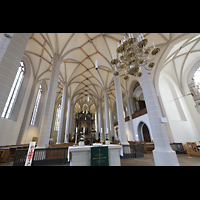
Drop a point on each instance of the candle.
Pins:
(76, 139)
(101, 130)
(107, 130)
(83, 129)
(76, 129)
(142, 36)
(154, 46)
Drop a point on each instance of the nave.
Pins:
(58, 88)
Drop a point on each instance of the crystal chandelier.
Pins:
(132, 54)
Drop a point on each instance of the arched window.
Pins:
(37, 101)
(196, 76)
(14, 91)
(57, 121)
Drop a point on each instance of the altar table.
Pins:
(81, 155)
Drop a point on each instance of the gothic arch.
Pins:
(143, 132)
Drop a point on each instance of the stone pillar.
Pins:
(163, 153)
(71, 121)
(106, 106)
(11, 52)
(44, 135)
(101, 119)
(120, 116)
(62, 116)
(68, 120)
(112, 124)
(132, 136)
(20, 139)
(97, 121)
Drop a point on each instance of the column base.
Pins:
(165, 158)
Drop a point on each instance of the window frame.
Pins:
(36, 106)
(14, 92)
(57, 119)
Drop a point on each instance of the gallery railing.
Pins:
(46, 156)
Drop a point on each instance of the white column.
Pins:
(71, 120)
(44, 135)
(120, 116)
(11, 52)
(101, 119)
(163, 153)
(106, 106)
(97, 121)
(67, 121)
(112, 124)
(62, 115)
(132, 136)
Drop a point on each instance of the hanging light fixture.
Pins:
(132, 54)
(96, 64)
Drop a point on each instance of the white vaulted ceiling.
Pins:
(79, 52)
(180, 61)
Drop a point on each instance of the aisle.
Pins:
(147, 160)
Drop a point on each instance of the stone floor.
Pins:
(147, 160)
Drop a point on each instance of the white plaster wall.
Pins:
(128, 131)
(180, 116)
(9, 130)
(136, 122)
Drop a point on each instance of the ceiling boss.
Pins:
(132, 54)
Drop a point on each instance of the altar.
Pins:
(81, 155)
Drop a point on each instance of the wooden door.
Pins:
(146, 134)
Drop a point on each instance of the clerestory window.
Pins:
(57, 121)
(14, 92)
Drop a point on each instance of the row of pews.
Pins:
(147, 147)
(7, 153)
(192, 149)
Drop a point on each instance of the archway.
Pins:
(143, 132)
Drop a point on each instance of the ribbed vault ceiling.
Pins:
(79, 52)
(181, 59)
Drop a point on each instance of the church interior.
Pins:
(136, 91)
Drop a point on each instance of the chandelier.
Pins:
(132, 54)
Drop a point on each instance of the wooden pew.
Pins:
(59, 153)
(4, 154)
(8, 151)
(192, 149)
(148, 147)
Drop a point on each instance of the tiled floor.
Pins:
(147, 160)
